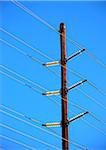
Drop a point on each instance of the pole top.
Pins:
(62, 25)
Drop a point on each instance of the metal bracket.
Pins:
(77, 117)
(76, 84)
(75, 54)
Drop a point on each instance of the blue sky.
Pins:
(86, 24)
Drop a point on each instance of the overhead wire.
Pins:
(98, 61)
(17, 142)
(33, 125)
(43, 87)
(22, 77)
(91, 113)
(89, 82)
(51, 70)
(40, 91)
(92, 125)
(51, 129)
(23, 115)
(19, 82)
(89, 124)
(39, 122)
(52, 28)
(28, 136)
(20, 51)
(79, 90)
(48, 97)
(26, 44)
(91, 98)
(81, 109)
(43, 21)
(29, 56)
(30, 81)
(27, 85)
(20, 114)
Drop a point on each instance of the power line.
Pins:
(84, 109)
(22, 77)
(37, 89)
(29, 118)
(51, 99)
(52, 28)
(44, 55)
(30, 81)
(20, 114)
(9, 76)
(50, 129)
(17, 142)
(20, 51)
(54, 101)
(37, 121)
(91, 98)
(33, 125)
(26, 44)
(89, 82)
(91, 125)
(43, 21)
(91, 113)
(12, 77)
(80, 90)
(28, 136)
(98, 61)
(29, 56)
(27, 85)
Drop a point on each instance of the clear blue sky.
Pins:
(86, 24)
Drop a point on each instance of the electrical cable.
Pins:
(52, 28)
(34, 59)
(17, 142)
(33, 125)
(28, 136)
(53, 99)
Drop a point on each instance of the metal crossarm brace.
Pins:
(74, 55)
(77, 117)
(58, 124)
(77, 84)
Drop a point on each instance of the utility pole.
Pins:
(64, 99)
(65, 121)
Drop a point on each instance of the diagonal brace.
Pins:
(75, 54)
(76, 84)
(77, 117)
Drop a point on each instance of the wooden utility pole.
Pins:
(64, 89)
(64, 98)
